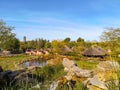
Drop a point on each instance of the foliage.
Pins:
(35, 44)
(71, 54)
(57, 45)
(13, 45)
(111, 40)
(111, 85)
(80, 39)
(111, 34)
(8, 63)
(49, 72)
(114, 84)
(7, 38)
(67, 39)
(81, 86)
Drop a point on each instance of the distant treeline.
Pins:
(110, 39)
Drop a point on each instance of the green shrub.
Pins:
(81, 86)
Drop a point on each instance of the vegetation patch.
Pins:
(8, 63)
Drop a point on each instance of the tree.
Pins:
(13, 45)
(67, 39)
(80, 40)
(7, 38)
(57, 45)
(47, 44)
(112, 37)
(111, 34)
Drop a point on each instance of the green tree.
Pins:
(57, 45)
(47, 44)
(67, 39)
(7, 38)
(13, 45)
(80, 39)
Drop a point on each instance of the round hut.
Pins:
(94, 52)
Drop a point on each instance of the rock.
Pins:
(69, 77)
(32, 68)
(72, 69)
(97, 83)
(68, 63)
(107, 76)
(96, 79)
(4, 78)
(66, 69)
(108, 65)
(1, 70)
(81, 73)
(105, 73)
(16, 73)
(91, 87)
(6, 52)
(61, 80)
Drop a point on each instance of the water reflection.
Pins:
(39, 63)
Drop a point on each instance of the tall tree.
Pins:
(6, 36)
(111, 34)
(112, 37)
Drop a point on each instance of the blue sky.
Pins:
(57, 19)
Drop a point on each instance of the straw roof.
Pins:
(94, 52)
(66, 49)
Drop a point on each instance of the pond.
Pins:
(39, 63)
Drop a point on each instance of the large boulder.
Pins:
(81, 72)
(108, 66)
(4, 79)
(96, 83)
(14, 74)
(68, 63)
(73, 70)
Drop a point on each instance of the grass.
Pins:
(86, 64)
(8, 63)
(46, 73)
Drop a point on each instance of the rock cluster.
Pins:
(17, 77)
(104, 75)
(97, 79)
(73, 70)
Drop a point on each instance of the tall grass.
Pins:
(43, 76)
(114, 84)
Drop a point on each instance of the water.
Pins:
(39, 63)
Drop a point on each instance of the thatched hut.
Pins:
(94, 52)
(65, 49)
